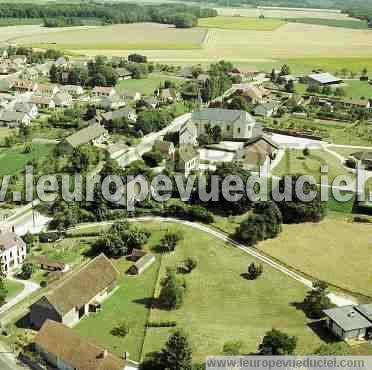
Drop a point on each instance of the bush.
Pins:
(44, 284)
(27, 270)
(232, 348)
(362, 220)
(172, 290)
(254, 271)
(191, 263)
(161, 324)
(201, 214)
(122, 330)
(169, 242)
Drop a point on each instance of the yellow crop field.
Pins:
(119, 37)
(241, 23)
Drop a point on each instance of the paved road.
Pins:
(29, 288)
(335, 298)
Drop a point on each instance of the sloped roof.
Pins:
(84, 285)
(117, 114)
(324, 78)
(86, 135)
(365, 310)
(163, 146)
(187, 153)
(8, 240)
(11, 116)
(348, 318)
(224, 115)
(73, 350)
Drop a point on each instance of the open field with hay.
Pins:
(120, 37)
(241, 23)
(283, 13)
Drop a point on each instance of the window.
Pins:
(228, 128)
(239, 130)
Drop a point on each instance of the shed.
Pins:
(142, 264)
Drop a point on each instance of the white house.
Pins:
(188, 134)
(14, 119)
(13, 251)
(234, 124)
(101, 91)
(27, 108)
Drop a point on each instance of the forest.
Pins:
(182, 16)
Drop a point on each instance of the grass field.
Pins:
(129, 303)
(357, 89)
(294, 162)
(220, 305)
(146, 86)
(283, 13)
(347, 23)
(5, 131)
(14, 160)
(334, 250)
(13, 288)
(241, 23)
(146, 36)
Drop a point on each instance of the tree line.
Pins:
(180, 15)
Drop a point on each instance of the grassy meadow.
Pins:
(241, 23)
(343, 23)
(13, 288)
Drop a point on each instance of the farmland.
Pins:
(120, 37)
(347, 23)
(241, 23)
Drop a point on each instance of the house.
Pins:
(13, 251)
(61, 62)
(166, 148)
(167, 96)
(4, 53)
(188, 134)
(202, 79)
(27, 108)
(73, 90)
(322, 79)
(64, 349)
(142, 264)
(355, 103)
(30, 74)
(266, 109)
(18, 59)
(48, 90)
(23, 86)
(254, 94)
(4, 69)
(62, 99)
(258, 153)
(288, 78)
(78, 295)
(102, 91)
(50, 265)
(116, 150)
(294, 101)
(350, 322)
(14, 119)
(123, 74)
(44, 69)
(132, 96)
(136, 255)
(110, 102)
(234, 124)
(93, 134)
(127, 113)
(363, 159)
(188, 159)
(43, 102)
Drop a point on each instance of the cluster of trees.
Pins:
(169, 241)
(264, 223)
(317, 300)
(3, 290)
(99, 72)
(326, 90)
(62, 22)
(34, 56)
(172, 292)
(121, 239)
(112, 13)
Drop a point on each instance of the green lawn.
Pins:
(295, 162)
(127, 303)
(220, 305)
(241, 23)
(334, 250)
(344, 23)
(146, 86)
(14, 160)
(13, 288)
(358, 89)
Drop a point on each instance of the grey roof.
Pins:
(23, 107)
(225, 115)
(365, 310)
(8, 240)
(265, 106)
(123, 72)
(11, 116)
(86, 135)
(143, 261)
(348, 318)
(324, 78)
(117, 114)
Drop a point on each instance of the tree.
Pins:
(172, 290)
(177, 353)
(339, 91)
(191, 263)
(252, 230)
(285, 70)
(306, 152)
(232, 348)
(170, 239)
(152, 158)
(254, 271)
(185, 21)
(3, 290)
(289, 87)
(297, 211)
(277, 343)
(27, 270)
(327, 90)
(122, 330)
(137, 58)
(316, 301)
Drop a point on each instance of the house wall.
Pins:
(52, 359)
(236, 130)
(71, 318)
(13, 257)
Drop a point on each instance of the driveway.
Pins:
(29, 288)
(292, 142)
